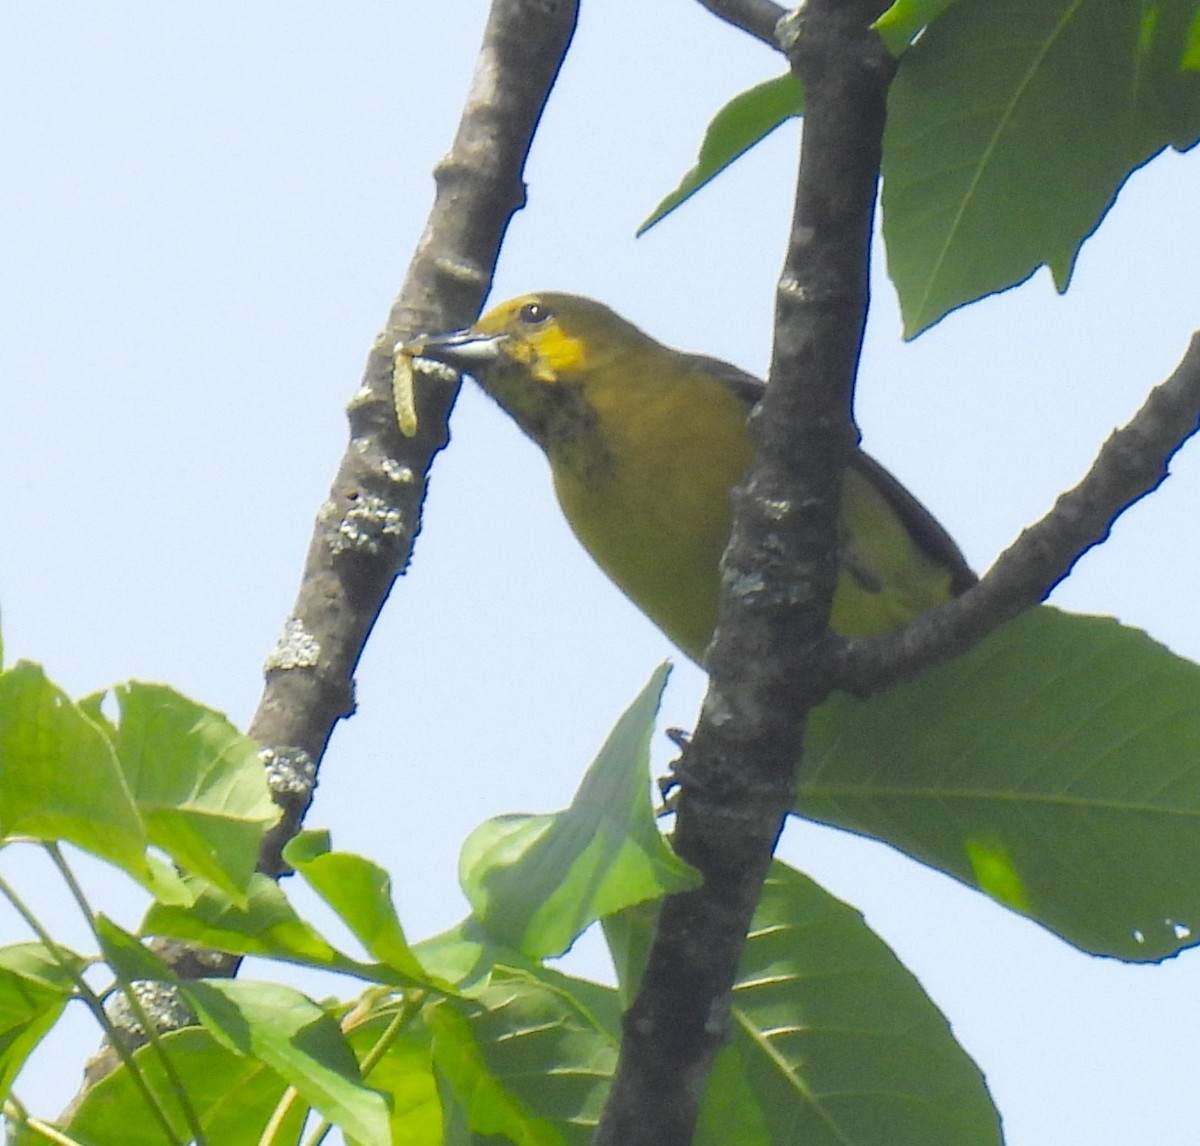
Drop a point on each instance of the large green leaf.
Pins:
(744, 121)
(838, 1042)
(1011, 127)
(274, 1024)
(59, 776)
(477, 1102)
(834, 1043)
(1056, 767)
(300, 1041)
(531, 1055)
(535, 882)
(233, 1096)
(197, 781)
(266, 924)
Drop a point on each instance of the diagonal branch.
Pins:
(1131, 464)
(758, 18)
(365, 530)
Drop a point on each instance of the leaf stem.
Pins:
(149, 1027)
(93, 1003)
(407, 1009)
(16, 1113)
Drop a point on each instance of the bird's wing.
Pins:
(745, 386)
(925, 529)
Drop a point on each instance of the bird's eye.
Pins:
(534, 313)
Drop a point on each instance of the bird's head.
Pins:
(534, 354)
(548, 336)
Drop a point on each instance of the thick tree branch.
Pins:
(1131, 464)
(756, 17)
(769, 662)
(365, 530)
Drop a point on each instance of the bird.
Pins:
(645, 444)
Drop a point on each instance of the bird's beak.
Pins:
(460, 349)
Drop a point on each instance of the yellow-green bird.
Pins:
(645, 443)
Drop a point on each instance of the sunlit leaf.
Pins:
(405, 1074)
(59, 775)
(361, 893)
(535, 882)
(197, 781)
(266, 924)
(34, 987)
(533, 1056)
(233, 1095)
(487, 1107)
(905, 18)
(301, 1042)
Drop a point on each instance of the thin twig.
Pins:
(756, 17)
(403, 1016)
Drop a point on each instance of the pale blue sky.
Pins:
(207, 209)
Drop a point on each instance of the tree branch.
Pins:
(758, 18)
(365, 531)
(769, 663)
(1131, 464)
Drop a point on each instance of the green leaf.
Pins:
(536, 882)
(744, 121)
(628, 934)
(731, 1111)
(128, 956)
(198, 782)
(361, 894)
(833, 1039)
(466, 954)
(405, 1074)
(900, 24)
(59, 776)
(300, 1041)
(233, 1095)
(266, 925)
(34, 988)
(1055, 767)
(1168, 98)
(1011, 128)
(534, 1058)
(486, 1105)
(1191, 52)
(56, 971)
(838, 1041)
(278, 1026)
